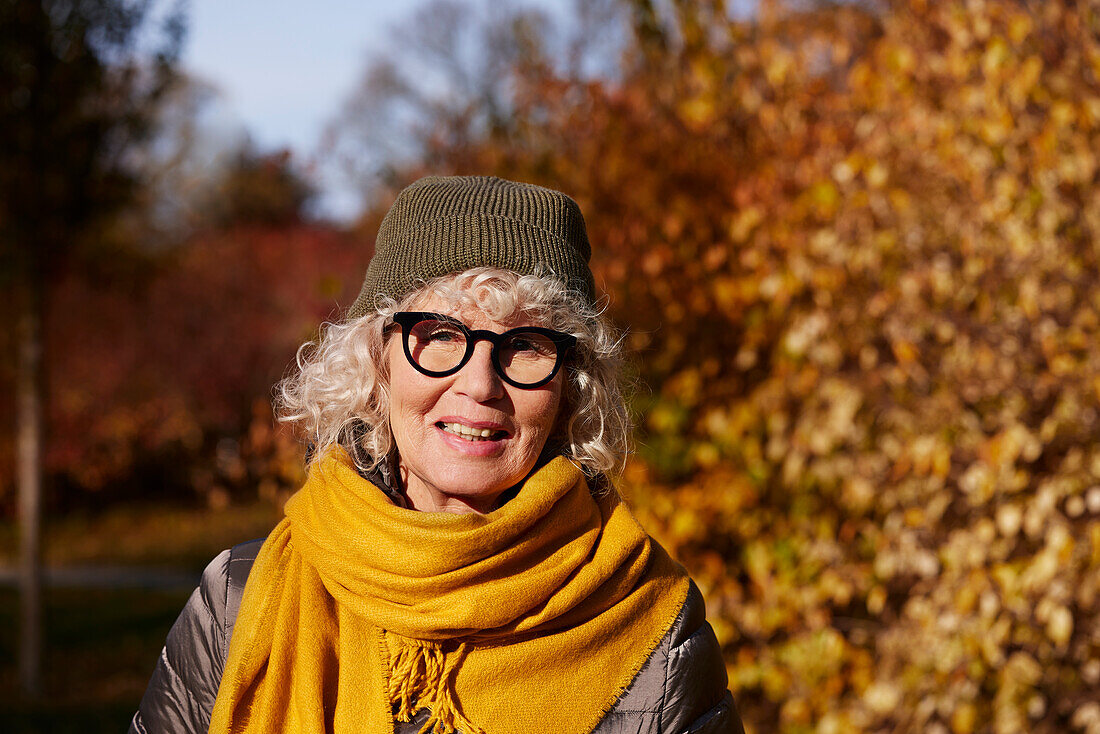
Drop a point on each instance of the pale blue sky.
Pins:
(284, 67)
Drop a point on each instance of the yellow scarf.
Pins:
(534, 617)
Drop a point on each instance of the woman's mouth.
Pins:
(470, 433)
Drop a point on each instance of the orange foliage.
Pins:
(855, 247)
(184, 363)
(856, 250)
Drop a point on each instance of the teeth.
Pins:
(467, 431)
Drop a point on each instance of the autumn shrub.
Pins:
(162, 388)
(856, 248)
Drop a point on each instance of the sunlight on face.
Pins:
(466, 438)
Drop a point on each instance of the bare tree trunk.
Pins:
(29, 478)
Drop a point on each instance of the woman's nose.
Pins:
(478, 378)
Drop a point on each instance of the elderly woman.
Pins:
(457, 560)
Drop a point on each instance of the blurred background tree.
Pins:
(76, 94)
(854, 247)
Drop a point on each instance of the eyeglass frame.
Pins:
(408, 319)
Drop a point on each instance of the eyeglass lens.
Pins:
(526, 357)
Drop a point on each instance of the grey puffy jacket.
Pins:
(680, 689)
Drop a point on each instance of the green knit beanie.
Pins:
(443, 225)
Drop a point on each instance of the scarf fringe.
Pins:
(422, 676)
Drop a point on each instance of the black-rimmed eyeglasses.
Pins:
(438, 345)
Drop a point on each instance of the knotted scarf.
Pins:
(534, 617)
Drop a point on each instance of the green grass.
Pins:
(100, 648)
(146, 535)
(101, 644)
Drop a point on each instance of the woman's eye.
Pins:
(435, 332)
(444, 334)
(527, 345)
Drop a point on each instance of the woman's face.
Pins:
(443, 468)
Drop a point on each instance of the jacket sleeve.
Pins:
(181, 693)
(696, 700)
